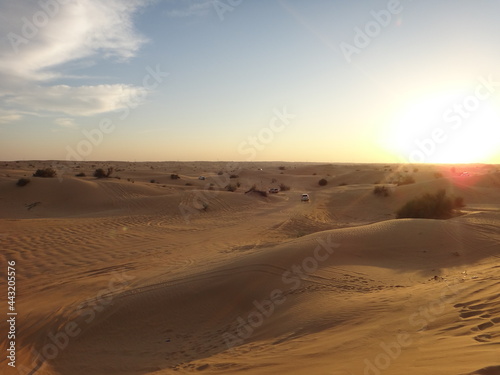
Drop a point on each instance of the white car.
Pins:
(305, 198)
(274, 190)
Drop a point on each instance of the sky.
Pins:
(409, 81)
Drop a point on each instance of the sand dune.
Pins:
(129, 276)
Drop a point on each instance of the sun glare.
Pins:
(447, 127)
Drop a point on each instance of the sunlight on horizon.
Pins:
(445, 127)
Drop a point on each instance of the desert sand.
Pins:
(142, 274)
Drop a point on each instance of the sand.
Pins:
(140, 273)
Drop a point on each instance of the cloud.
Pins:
(8, 116)
(65, 122)
(78, 101)
(190, 8)
(76, 30)
(40, 38)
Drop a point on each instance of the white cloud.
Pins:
(38, 40)
(65, 122)
(78, 101)
(78, 29)
(8, 116)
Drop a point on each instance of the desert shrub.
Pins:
(253, 189)
(230, 187)
(101, 173)
(282, 168)
(284, 187)
(220, 173)
(415, 170)
(430, 206)
(343, 184)
(81, 174)
(234, 176)
(322, 182)
(405, 180)
(189, 184)
(458, 202)
(47, 172)
(23, 182)
(438, 175)
(153, 181)
(174, 176)
(261, 192)
(381, 191)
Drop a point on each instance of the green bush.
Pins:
(47, 172)
(431, 206)
(23, 182)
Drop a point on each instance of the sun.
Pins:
(446, 127)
